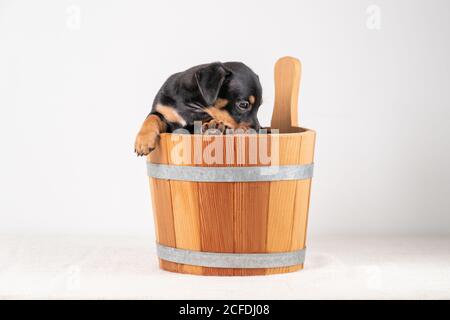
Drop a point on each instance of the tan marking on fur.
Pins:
(251, 99)
(154, 123)
(220, 103)
(170, 114)
(148, 135)
(222, 116)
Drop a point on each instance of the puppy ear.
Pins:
(209, 81)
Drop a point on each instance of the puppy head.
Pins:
(232, 93)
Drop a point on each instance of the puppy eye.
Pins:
(243, 105)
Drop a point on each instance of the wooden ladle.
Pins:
(287, 82)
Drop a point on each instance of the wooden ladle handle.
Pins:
(287, 82)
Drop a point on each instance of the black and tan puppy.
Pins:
(221, 95)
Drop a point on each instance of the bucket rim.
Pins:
(297, 131)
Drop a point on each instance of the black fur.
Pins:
(192, 91)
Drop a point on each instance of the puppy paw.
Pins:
(213, 127)
(244, 129)
(145, 142)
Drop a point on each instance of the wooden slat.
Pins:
(162, 206)
(216, 212)
(281, 202)
(301, 205)
(184, 196)
(250, 207)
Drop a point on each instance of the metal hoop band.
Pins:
(231, 260)
(230, 174)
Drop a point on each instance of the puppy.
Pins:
(220, 95)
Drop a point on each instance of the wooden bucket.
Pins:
(215, 217)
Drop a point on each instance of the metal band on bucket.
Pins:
(231, 260)
(230, 174)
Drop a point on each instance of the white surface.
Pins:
(73, 95)
(126, 267)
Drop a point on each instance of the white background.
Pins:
(74, 93)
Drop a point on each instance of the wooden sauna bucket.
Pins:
(215, 218)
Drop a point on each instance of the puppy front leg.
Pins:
(148, 135)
